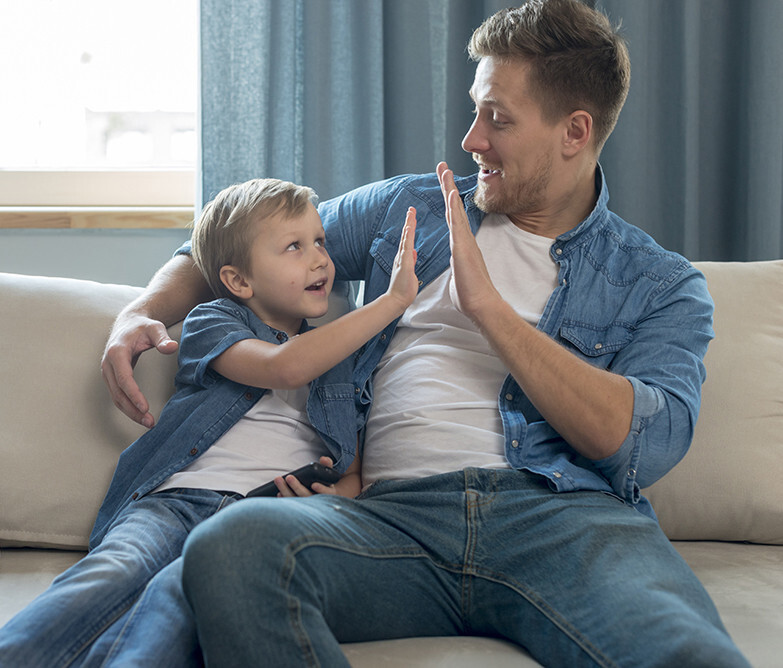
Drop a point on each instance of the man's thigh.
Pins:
(584, 579)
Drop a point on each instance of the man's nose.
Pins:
(475, 140)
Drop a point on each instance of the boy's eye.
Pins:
(319, 243)
(293, 246)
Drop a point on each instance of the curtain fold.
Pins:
(338, 93)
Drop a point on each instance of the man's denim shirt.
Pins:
(207, 404)
(621, 303)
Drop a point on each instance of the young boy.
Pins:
(243, 412)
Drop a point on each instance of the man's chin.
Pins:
(486, 202)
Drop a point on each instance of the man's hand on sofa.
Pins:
(131, 335)
(173, 291)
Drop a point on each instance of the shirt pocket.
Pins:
(598, 344)
(334, 415)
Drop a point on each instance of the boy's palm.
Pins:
(404, 283)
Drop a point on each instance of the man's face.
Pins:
(510, 141)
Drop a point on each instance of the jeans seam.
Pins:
(552, 615)
(108, 620)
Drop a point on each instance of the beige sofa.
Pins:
(722, 506)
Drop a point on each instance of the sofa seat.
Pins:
(722, 506)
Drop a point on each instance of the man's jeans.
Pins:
(579, 578)
(87, 606)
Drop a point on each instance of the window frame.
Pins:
(141, 198)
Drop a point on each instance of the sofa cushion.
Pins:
(61, 435)
(728, 486)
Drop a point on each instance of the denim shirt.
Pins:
(207, 404)
(621, 303)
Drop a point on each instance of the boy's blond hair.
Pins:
(223, 233)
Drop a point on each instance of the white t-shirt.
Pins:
(435, 406)
(271, 439)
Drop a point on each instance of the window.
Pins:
(98, 123)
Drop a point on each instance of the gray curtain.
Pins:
(337, 93)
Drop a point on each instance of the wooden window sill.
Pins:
(95, 217)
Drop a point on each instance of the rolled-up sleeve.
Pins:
(664, 364)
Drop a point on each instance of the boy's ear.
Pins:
(578, 132)
(235, 282)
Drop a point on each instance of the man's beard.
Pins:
(516, 198)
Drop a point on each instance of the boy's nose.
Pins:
(319, 257)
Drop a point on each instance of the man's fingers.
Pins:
(133, 405)
(160, 339)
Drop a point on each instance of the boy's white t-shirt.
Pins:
(271, 439)
(435, 406)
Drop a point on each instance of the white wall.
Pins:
(108, 256)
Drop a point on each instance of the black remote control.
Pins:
(307, 475)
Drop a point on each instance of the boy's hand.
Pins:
(404, 284)
(290, 486)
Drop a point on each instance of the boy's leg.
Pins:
(159, 630)
(59, 625)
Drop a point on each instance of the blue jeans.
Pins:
(77, 619)
(578, 579)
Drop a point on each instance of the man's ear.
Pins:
(235, 282)
(578, 132)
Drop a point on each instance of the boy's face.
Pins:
(291, 274)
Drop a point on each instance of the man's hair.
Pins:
(577, 59)
(223, 234)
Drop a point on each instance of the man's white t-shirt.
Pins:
(435, 406)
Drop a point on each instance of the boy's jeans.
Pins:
(88, 602)
(579, 579)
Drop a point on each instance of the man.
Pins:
(549, 368)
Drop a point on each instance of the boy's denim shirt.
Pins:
(207, 404)
(622, 303)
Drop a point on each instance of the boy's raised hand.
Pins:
(404, 284)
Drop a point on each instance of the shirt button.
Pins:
(194, 451)
(280, 336)
(356, 390)
(558, 251)
(565, 282)
(515, 443)
(383, 337)
(509, 396)
(557, 474)
(135, 496)
(598, 346)
(248, 395)
(421, 283)
(631, 473)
